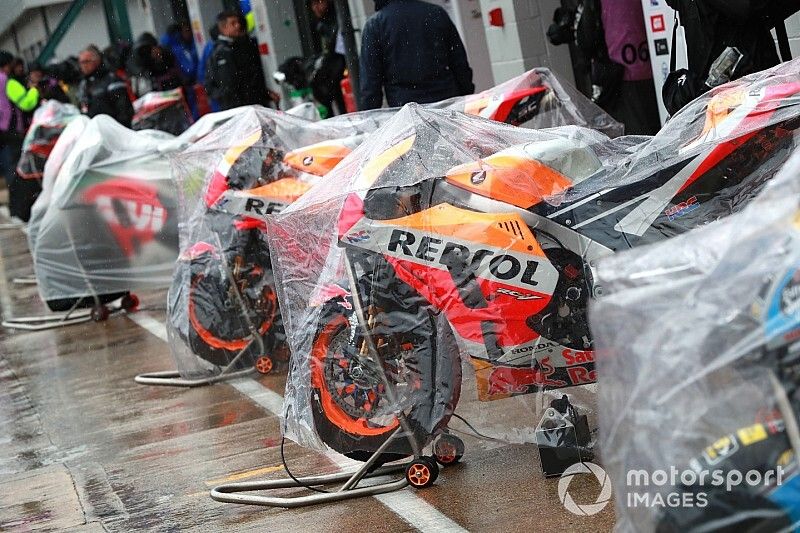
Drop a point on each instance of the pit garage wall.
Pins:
(88, 28)
(521, 44)
(277, 34)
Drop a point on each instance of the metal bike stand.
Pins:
(74, 315)
(173, 378)
(25, 280)
(51, 321)
(238, 492)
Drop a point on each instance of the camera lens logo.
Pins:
(588, 509)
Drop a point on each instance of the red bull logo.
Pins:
(509, 380)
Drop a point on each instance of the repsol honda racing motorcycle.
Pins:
(483, 260)
(223, 302)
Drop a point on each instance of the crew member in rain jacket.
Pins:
(15, 100)
(234, 76)
(411, 51)
(102, 92)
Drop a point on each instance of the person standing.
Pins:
(15, 101)
(152, 67)
(48, 87)
(101, 91)
(234, 76)
(411, 51)
(613, 35)
(713, 28)
(329, 66)
(180, 42)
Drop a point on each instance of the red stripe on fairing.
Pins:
(508, 313)
(511, 100)
(248, 223)
(757, 119)
(216, 188)
(715, 157)
(352, 212)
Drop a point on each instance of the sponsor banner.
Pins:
(659, 20)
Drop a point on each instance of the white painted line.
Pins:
(150, 324)
(266, 398)
(412, 509)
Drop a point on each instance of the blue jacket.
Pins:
(185, 54)
(411, 50)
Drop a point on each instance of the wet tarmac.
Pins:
(85, 449)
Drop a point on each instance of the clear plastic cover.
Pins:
(445, 233)
(162, 110)
(441, 267)
(48, 122)
(111, 223)
(52, 168)
(536, 99)
(739, 133)
(697, 341)
(222, 306)
(107, 222)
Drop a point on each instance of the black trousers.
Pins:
(22, 193)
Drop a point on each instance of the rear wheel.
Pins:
(353, 410)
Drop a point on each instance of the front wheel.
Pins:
(353, 410)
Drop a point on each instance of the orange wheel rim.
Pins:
(419, 475)
(264, 365)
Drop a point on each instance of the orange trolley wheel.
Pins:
(448, 449)
(422, 472)
(264, 364)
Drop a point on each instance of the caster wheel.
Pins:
(422, 472)
(100, 313)
(130, 302)
(264, 364)
(448, 449)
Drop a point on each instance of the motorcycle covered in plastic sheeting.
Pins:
(52, 168)
(445, 233)
(47, 125)
(164, 111)
(222, 308)
(699, 372)
(110, 223)
(536, 99)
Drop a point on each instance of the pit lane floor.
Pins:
(85, 449)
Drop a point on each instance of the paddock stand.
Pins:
(11, 225)
(173, 378)
(419, 472)
(99, 313)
